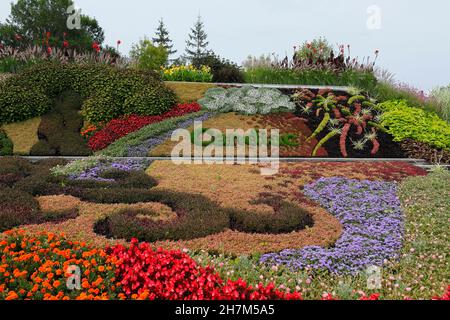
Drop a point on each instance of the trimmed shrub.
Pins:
(287, 218)
(59, 131)
(103, 88)
(21, 103)
(149, 101)
(246, 100)
(17, 208)
(199, 217)
(6, 145)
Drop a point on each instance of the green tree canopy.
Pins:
(196, 45)
(162, 38)
(31, 20)
(147, 56)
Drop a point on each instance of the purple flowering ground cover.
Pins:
(372, 221)
(95, 172)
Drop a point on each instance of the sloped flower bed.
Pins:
(373, 226)
(118, 128)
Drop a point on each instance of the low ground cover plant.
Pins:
(372, 233)
(123, 126)
(246, 100)
(418, 273)
(141, 142)
(405, 122)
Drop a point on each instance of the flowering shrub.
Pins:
(35, 267)
(173, 275)
(187, 73)
(373, 227)
(120, 127)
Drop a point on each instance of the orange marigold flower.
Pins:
(12, 296)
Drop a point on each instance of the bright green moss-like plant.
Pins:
(246, 100)
(405, 122)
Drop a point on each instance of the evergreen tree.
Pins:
(162, 38)
(196, 44)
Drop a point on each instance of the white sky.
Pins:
(414, 39)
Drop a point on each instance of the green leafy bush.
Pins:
(6, 145)
(21, 103)
(149, 101)
(147, 56)
(246, 100)
(223, 70)
(104, 90)
(405, 122)
(317, 49)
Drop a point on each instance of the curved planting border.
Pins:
(373, 227)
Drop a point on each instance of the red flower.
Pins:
(96, 47)
(65, 44)
(48, 35)
(49, 50)
(172, 275)
(18, 37)
(123, 126)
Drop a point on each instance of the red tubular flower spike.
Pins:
(337, 113)
(376, 147)
(343, 139)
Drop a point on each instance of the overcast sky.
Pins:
(413, 38)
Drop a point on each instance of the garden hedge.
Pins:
(106, 91)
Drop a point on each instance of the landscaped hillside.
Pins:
(139, 219)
